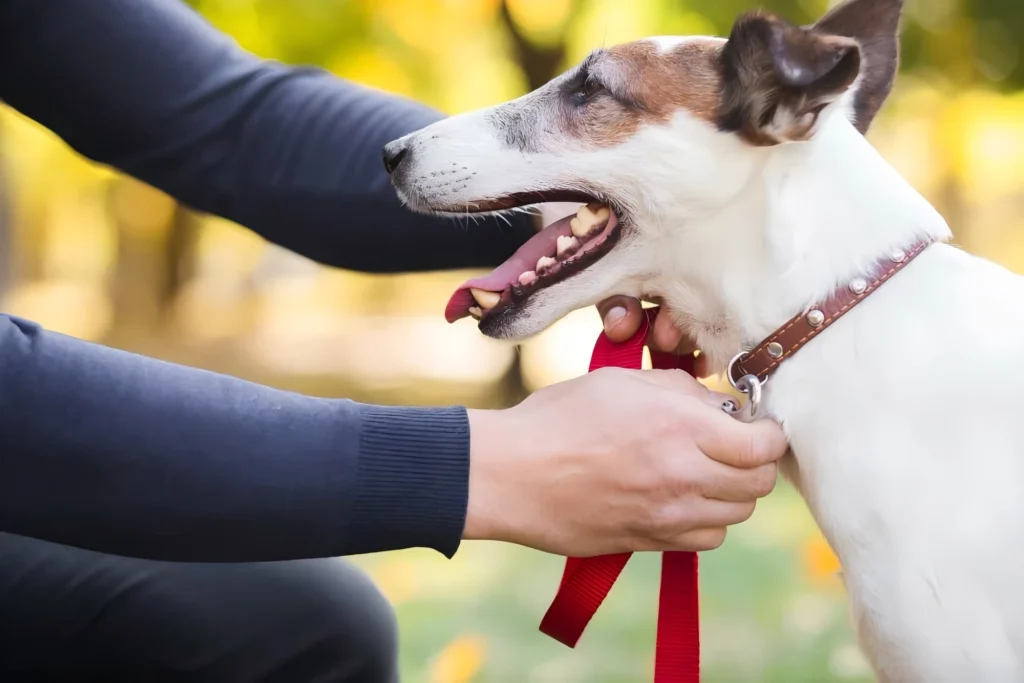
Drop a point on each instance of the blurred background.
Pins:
(90, 253)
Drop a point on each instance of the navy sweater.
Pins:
(115, 452)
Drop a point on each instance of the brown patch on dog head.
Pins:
(616, 91)
(777, 78)
(684, 76)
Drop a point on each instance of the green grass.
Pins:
(766, 616)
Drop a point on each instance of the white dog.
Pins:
(743, 192)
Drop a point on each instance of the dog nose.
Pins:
(394, 153)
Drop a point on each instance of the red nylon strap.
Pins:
(586, 582)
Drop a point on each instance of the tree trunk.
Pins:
(540, 64)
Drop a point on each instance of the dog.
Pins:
(731, 179)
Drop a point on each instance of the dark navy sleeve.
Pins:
(115, 452)
(149, 87)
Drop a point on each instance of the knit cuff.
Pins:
(413, 482)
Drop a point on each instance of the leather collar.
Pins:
(766, 357)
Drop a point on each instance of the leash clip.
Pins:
(749, 385)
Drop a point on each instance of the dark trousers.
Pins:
(73, 615)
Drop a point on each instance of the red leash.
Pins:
(586, 582)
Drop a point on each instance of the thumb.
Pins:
(622, 316)
(740, 444)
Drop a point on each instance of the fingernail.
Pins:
(614, 315)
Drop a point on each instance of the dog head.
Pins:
(655, 137)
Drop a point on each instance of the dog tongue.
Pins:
(507, 274)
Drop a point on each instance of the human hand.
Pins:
(615, 461)
(622, 315)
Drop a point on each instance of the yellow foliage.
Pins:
(820, 563)
(435, 26)
(609, 22)
(141, 209)
(376, 68)
(228, 250)
(397, 579)
(540, 19)
(481, 81)
(460, 661)
(212, 308)
(242, 20)
(78, 237)
(65, 306)
(983, 135)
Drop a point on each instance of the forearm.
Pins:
(122, 454)
(308, 175)
(147, 86)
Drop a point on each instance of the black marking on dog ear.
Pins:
(777, 78)
(875, 25)
(806, 60)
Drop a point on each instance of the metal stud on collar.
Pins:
(815, 318)
(858, 285)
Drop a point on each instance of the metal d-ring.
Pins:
(750, 385)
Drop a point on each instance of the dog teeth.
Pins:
(476, 312)
(589, 219)
(545, 263)
(577, 227)
(567, 246)
(486, 299)
(527, 278)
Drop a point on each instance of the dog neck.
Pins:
(812, 216)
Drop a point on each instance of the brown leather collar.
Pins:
(766, 357)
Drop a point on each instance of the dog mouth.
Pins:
(561, 250)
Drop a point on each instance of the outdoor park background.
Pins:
(87, 252)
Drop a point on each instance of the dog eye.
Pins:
(590, 88)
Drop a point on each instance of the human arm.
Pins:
(150, 88)
(123, 454)
(115, 452)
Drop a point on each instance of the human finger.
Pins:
(739, 444)
(737, 485)
(621, 316)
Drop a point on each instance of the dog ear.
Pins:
(875, 25)
(777, 78)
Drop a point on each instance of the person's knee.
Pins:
(312, 620)
(360, 628)
(345, 629)
(280, 622)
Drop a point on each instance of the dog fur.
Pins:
(747, 192)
